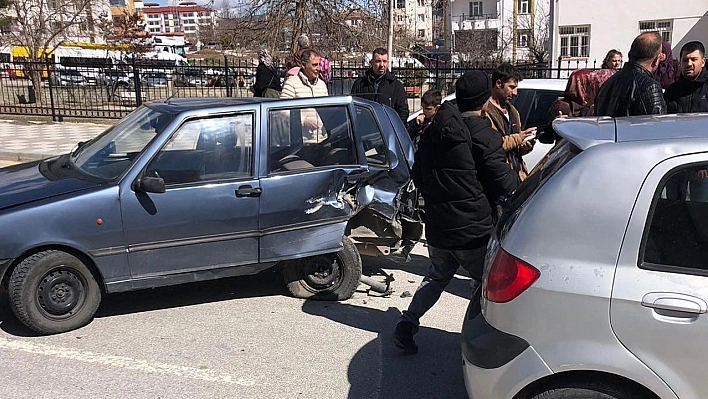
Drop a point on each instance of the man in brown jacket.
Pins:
(506, 120)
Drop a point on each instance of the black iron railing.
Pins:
(92, 93)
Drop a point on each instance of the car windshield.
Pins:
(109, 155)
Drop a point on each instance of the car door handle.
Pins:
(674, 302)
(249, 191)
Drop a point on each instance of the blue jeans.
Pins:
(443, 265)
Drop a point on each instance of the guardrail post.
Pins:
(51, 91)
(136, 81)
(229, 89)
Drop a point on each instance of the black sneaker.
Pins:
(403, 337)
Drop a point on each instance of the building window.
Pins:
(421, 3)
(117, 3)
(475, 8)
(421, 17)
(523, 38)
(574, 41)
(400, 3)
(663, 27)
(401, 18)
(524, 6)
(421, 33)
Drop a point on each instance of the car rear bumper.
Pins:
(496, 365)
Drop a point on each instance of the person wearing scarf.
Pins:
(267, 79)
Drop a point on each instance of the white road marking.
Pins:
(124, 362)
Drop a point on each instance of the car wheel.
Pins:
(332, 277)
(598, 392)
(53, 292)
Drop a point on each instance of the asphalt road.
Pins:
(243, 338)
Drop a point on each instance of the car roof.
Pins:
(179, 105)
(532, 84)
(588, 132)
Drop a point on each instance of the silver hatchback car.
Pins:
(596, 280)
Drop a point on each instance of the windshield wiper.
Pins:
(79, 147)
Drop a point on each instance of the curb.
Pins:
(23, 156)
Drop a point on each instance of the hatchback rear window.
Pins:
(558, 156)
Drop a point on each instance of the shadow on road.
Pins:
(418, 265)
(379, 370)
(267, 283)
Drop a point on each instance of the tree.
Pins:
(127, 34)
(332, 25)
(40, 26)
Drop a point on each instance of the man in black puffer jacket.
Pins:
(690, 92)
(633, 90)
(458, 218)
(498, 180)
(379, 85)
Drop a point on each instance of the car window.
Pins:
(533, 106)
(206, 150)
(678, 223)
(305, 138)
(375, 147)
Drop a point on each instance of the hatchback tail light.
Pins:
(508, 277)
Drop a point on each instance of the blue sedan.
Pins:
(197, 189)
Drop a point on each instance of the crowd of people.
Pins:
(470, 160)
(469, 157)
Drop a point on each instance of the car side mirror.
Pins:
(149, 185)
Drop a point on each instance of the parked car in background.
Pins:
(116, 77)
(190, 77)
(535, 98)
(154, 79)
(194, 189)
(67, 77)
(596, 279)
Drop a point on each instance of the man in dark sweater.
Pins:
(380, 85)
(690, 92)
(458, 217)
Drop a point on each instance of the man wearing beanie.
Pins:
(458, 218)
(498, 179)
(505, 118)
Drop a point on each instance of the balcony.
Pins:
(472, 22)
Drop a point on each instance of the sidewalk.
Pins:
(26, 141)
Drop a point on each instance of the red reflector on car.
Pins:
(508, 277)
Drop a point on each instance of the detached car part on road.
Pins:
(197, 189)
(596, 280)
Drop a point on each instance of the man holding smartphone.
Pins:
(506, 120)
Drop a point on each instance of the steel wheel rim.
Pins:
(324, 273)
(61, 293)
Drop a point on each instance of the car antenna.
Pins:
(175, 90)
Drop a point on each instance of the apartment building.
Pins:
(416, 16)
(187, 17)
(582, 34)
(500, 29)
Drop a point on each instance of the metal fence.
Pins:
(85, 92)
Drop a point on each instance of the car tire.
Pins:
(53, 292)
(591, 392)
(331, 277)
